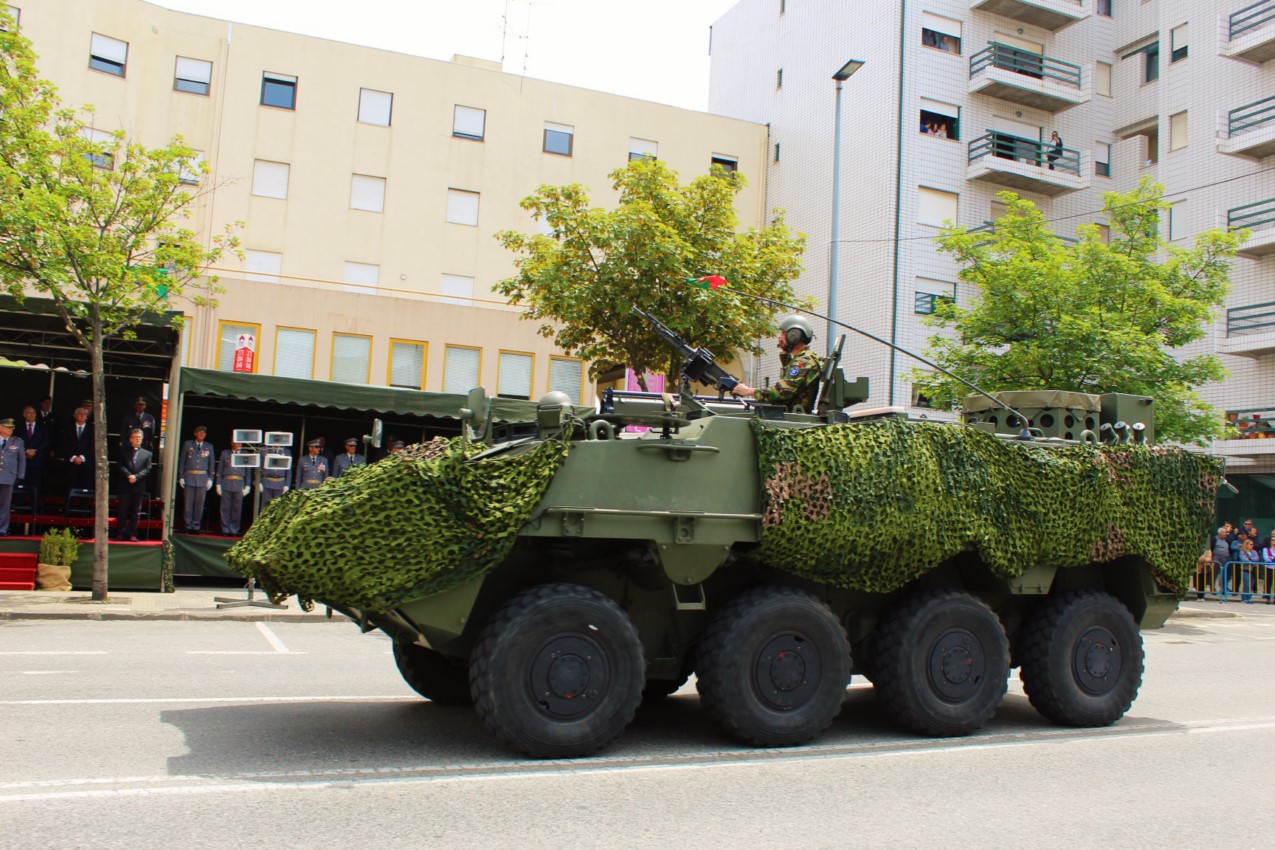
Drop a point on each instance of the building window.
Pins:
(262, 266)
(1103, 8)
(351, 358)
(920, 399)
(559, 139)
(192, 170)
(1102, 78)
(1177, 131)
(375, 107)
(1177, 44)
(940, 119)
(15, 13)
(270, 179)
(104, 155)
(407, 364)
(936, 207)
(941, 33)
(566, 375)
(367, 193)
(513, 374)
(193, 76)
(108, 55)
(930, 293)
(1175, 221)
(278, 90)
(469, 123)
(456, 289)
(230, 337)
(1151, 62)
(462, 207)
(730, 163)
(294, 353)
(461, 366)
(776, 151)
(1102, 159)
(1104, 234)
(362, 278)
(643, 149)
(779, 78)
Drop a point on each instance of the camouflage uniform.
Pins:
(800, 382)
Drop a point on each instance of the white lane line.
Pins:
(45, 672)
(273, 639)
(55, 652)
(238, 652)
(167, 700)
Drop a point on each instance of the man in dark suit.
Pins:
(139, 418)
(135, 469)
(35, 437)
(77, 449)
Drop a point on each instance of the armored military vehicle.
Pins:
(559, 572)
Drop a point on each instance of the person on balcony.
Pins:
(1055, 149)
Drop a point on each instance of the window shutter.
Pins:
(364, 277)
(947, 26)
(407, 365)
(110, 49)
(936, 207)
(350, 358)
(938, 107)
(294, 353)
(515, 375)
(565, 377)
(458, 289)
(262, 266)
(469, 122)
(270, 179)
(195, 70)
(367, 193)
(461, 369)
(375, 107)
(643, 148)
(462, 207)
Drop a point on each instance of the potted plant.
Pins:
(58, 550)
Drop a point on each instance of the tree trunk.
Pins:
(102, 471)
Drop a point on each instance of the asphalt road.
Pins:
(278, 735)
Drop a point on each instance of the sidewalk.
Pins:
(195, 603)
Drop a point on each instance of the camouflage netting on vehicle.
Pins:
(416, 523)
(872, 506)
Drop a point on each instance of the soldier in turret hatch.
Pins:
(802, 369)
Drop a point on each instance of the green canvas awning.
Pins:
(376, 400)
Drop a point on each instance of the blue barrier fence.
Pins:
(1245, 581)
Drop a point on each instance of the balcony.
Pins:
(1250, 33)
(1029, 79)
(1250, 330)
(989, 227)
(1250, 130)
(1256, 437)
(1024, 165)
(1052, 15)
(1258, 218)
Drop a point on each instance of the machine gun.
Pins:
(700, 364)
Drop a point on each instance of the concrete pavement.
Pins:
(196, 603)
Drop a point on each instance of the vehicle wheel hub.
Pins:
(957, 664)
(1096, 660)
(569, 676)
(787, 672)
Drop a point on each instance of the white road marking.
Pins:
(45, 672)
(273, 639)
(167, 700)
(239, 652)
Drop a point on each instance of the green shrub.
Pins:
(59, 547)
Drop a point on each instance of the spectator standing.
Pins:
(77, 448)
(13, 468)
(1267, 554)
(344, 461)
(134, 470)
(1249, 531)
(232, 486)
(35, 437)
(1221, 554)
(1248, 559)
(196, 479)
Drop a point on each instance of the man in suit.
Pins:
(35, 437)
(135, 469)
(198, 465)
(274, 482)
(139, 418)
(313, 469)
(77, 449)
(348, 459)
(232, 486)
(13, 467)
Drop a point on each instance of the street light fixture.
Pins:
(843, 73)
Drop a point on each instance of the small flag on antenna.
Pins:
(712, 281)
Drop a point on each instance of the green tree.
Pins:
(95, 226)
(597, 264)
(1095, 316)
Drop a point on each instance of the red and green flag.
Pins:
(712, 281)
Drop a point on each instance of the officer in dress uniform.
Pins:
(197, 470)
(141, 420)
(232, 486)
(802, 369)
(274, 482)
(348, 459)
(13, 468)
(313, 468)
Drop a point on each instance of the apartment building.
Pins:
(957, 100)
(370, 185)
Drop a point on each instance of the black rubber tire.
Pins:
(941, 663)
(1082, 659)
(432, 675)
(558, 671)
(773, 667)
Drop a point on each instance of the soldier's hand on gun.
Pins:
(727, 383)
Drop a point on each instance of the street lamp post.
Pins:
(843, 74)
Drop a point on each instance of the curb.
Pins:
(190, 616)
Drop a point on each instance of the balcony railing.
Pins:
(926, 302)
(1251, 319)
(1254, 423)
(989, 227)
(1251, 17)
(1026, 63)
(1005, 146)
(1250, 115)
(1251, 216)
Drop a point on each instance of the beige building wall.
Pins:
(314, 232)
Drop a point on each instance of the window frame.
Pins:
(531, 372)
(1151, 63)
(261, 277)
(367, 378)
(289, 81)
(389, 361)
(105, 65)
(457, 134)
(726, 161)
(355, 287)
(1102, 168)
(104, 161)
(955, 219)
(178, 79)
(458, 300)
(383, 183)
(256, 359)
(17, 17)
(448, 347)
(389, 115)
(570, 134)
(1174, 48)
(252, 190)
(1097, 77)
(447, 213)
(314, 349)
(1186, 129)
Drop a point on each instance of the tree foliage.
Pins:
(94, 223)
(1095, 316)
(582, 280)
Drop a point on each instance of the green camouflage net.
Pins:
(873, 506)
(412, 525)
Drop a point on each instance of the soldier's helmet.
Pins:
(799, 323)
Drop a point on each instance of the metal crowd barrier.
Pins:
(1243, 580)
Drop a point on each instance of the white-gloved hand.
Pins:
(208, 485)
(181, 483)
(286, 489)
(218, 489)
(247, 489)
